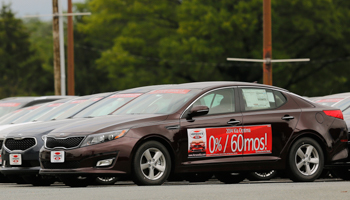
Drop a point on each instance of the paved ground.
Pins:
(213, 189)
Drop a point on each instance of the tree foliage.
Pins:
(21, 70)
(125, 44)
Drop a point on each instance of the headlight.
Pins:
(103, 137)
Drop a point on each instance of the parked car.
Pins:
(341, 100)
(14, 103)
(245, 127)
(26, 142)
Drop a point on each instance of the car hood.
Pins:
(106, 123)
(40, 128)
(6, 129)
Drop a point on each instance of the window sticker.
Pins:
(125, 95)
(271, 97)
(54, 104)
(9, 104)
(329, 100)
(247, 140)
(79, 101)
(256, 98)
(173, 91)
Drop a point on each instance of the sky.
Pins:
(34, 7)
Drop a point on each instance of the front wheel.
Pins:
(151, 164)
(305, 161)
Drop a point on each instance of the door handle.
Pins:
(233, 122)
(287, 117)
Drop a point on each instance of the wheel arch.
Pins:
(159, 138)
(315, 136)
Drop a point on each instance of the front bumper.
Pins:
(84, 160)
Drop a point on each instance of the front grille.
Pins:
(1, 141)
(71, 142)
(65, 165)
(20, 144)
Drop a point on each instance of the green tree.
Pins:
(20, 69)
(152, 42)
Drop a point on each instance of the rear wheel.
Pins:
(75, 181)
(151, 164)
(38, 180)
(305, 161)
(229, 177)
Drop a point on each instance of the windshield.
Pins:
(158, 102)
(17, 114)
(37, 113)
(8, 107)
(80, 105)
(107, 105)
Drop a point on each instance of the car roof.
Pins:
(215, 84)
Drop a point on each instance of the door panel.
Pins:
(275, 119)
(211, 138)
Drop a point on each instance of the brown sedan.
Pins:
(243, 127)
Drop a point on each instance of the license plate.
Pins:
(0, 160)
(15, 159)
(57, 156)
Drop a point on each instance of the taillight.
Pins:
(334, 113)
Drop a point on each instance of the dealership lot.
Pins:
(212, 189)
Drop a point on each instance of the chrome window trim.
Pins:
(78, 146)
(14, 151)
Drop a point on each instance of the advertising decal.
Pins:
(240, 140)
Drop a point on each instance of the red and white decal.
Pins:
(79, 101)
(57, 156)
(15, 159)
(125, 95)
(54, 104)
(9, 104)
(329, 100)
(172, 91)
(230, 141)
(0, 159)
(32, 107)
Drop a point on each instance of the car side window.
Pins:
(218, 101)
(261, 99)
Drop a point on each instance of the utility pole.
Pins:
(267, 43)
(267, 47)
(56, 48)
(58, 38)
(70, 51)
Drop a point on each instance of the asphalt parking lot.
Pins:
(212, 189)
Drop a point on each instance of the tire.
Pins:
(197, 177)
(229, 178)
(105, 180)
(75, 181)
(262, 175)
(342, 173)
(305, 160)
(38, 180)
(151, 164)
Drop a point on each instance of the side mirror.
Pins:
(198, 111)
